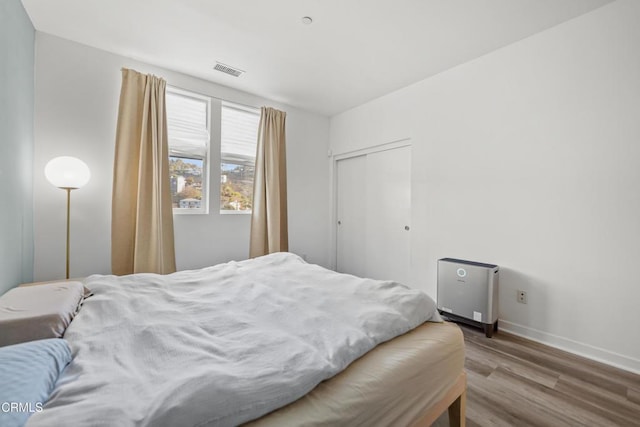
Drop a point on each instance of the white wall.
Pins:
(529, 157)
(77, 92)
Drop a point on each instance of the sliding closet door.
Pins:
(373, 201)
(388, 214)
(351, 226)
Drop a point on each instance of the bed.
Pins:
(270, 341)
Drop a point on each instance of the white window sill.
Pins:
(189, 211)
(231, 212)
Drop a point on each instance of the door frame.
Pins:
(333, 174)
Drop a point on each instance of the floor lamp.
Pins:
(67, 173)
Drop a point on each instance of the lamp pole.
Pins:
(68, 223)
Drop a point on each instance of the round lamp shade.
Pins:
(67, 172)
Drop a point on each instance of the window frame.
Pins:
(206, 173)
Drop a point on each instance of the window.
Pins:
(239, 135)
(189, 121)
(188, 136)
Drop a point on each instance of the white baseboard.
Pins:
(585, 350)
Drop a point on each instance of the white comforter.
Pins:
(222, 345)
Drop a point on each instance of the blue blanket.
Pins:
(28, 373)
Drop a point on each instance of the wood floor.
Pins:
(516, 382)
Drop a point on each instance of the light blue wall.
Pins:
(17, 38)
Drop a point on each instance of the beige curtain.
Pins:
(269, 214)
(142, 216)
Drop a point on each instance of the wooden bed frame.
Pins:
(454, 400)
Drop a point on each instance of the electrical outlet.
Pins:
(522, 297)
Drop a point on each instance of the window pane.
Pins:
(188, 137)
(186, 182)
(236, 186)
(239, 131)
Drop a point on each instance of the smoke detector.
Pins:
(307, 20)
(228, 69)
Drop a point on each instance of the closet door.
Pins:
(388, 214)
(351, 226)
(373, 201)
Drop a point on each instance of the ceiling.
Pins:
(354, 51)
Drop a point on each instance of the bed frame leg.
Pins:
(457, 411)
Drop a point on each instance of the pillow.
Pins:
(37, 312)
(28, 373)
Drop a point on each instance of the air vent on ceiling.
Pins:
(228, 69)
